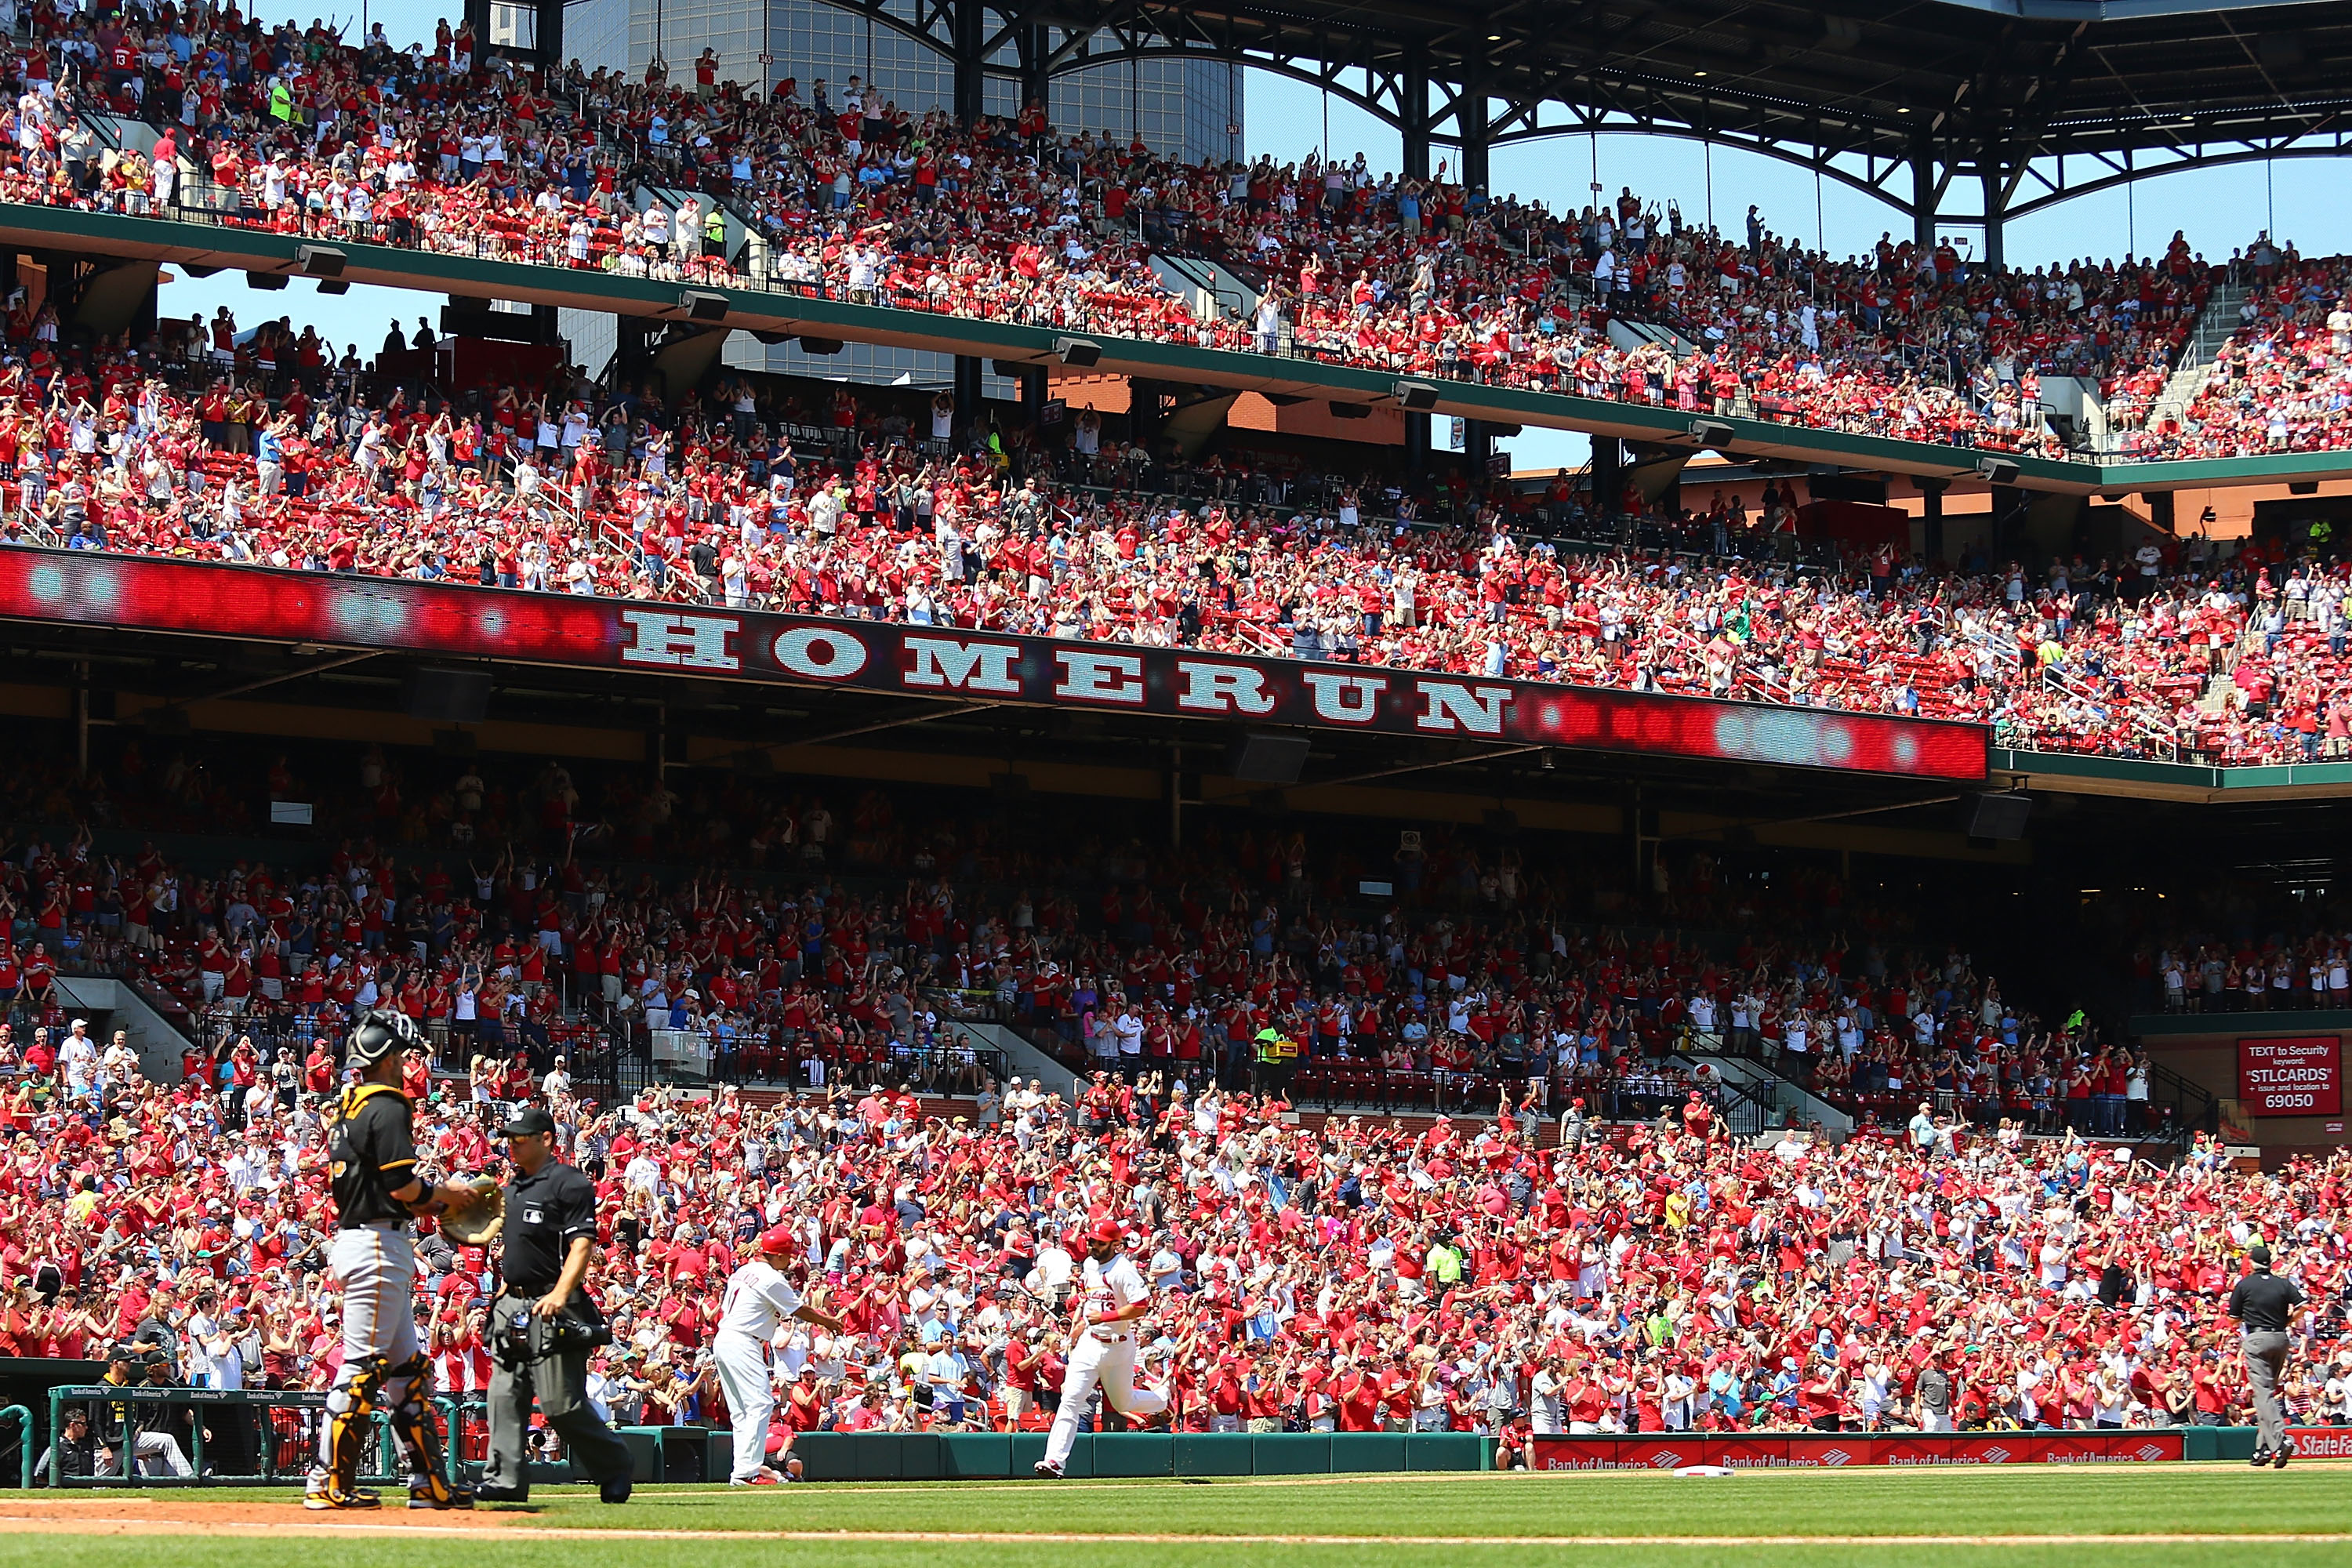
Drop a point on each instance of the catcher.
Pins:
(371, 1167)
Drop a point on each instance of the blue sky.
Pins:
(2217, 209)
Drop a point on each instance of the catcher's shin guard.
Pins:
(347, 1440)
(420, 1445)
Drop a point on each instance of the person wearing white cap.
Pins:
(77, 1061)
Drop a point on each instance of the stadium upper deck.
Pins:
(873, 223)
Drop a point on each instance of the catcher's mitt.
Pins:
(476, 1222)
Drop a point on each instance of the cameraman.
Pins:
(544, 1326)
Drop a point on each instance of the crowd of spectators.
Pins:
(1507, 1277)
(264, 447)
(805, 946)
(2283, 381)
(202, 448)
(850, 193)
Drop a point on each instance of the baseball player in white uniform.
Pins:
(758, 1299)
(1112, 1302)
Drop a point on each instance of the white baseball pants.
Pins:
(743, 1372)
(1111, 1364)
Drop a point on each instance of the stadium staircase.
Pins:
(2215, 324)
(1211, 290)
(1024, 1060)
(156, 1038)
(1629, 334)
(1750, 1081)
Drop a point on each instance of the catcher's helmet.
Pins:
(379, 1032)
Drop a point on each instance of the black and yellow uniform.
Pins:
(371, 1157)
(371, 1150)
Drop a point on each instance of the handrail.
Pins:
(128, 1399)
(781, 270)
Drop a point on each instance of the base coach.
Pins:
(543, 1325)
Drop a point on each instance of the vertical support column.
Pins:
(1143, 412)
(1922, 195)
(1035, 47)
(1415, 91)
(551, 37)
(1931, 512)
(1995, 208)
(1033, 394)
(2161, 513)
(1472, 118)
(1176, 796)
(971, 33)
(1608, 476)
(2009, 509)
(1477, 447)
(967, 392)
(1416, 444)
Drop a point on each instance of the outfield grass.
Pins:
(1832, 1506)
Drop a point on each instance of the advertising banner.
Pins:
(342, 611)
(2322, 1442)
(2303, 1076)
(1835, 1450)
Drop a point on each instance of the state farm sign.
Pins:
(2301, 1076)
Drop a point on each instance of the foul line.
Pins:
(137, 1526)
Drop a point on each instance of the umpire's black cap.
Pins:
(531, 1119)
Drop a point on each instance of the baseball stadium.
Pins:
(1097, 781)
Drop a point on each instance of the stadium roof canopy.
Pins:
(1949, 108)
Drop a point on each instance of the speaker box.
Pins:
(447, 695)
(1259, 758)
(1998, 816)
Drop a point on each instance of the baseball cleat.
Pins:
(2285, 1452)
(1049, 1470)
(438, 1495)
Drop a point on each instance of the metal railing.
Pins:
(778, 267)
(119, 1409)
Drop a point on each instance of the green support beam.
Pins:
(209, 244)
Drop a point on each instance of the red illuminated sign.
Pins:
(2301, 1076)
(943, 662)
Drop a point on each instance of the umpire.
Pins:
(2261, 1304)
(543, 1325)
